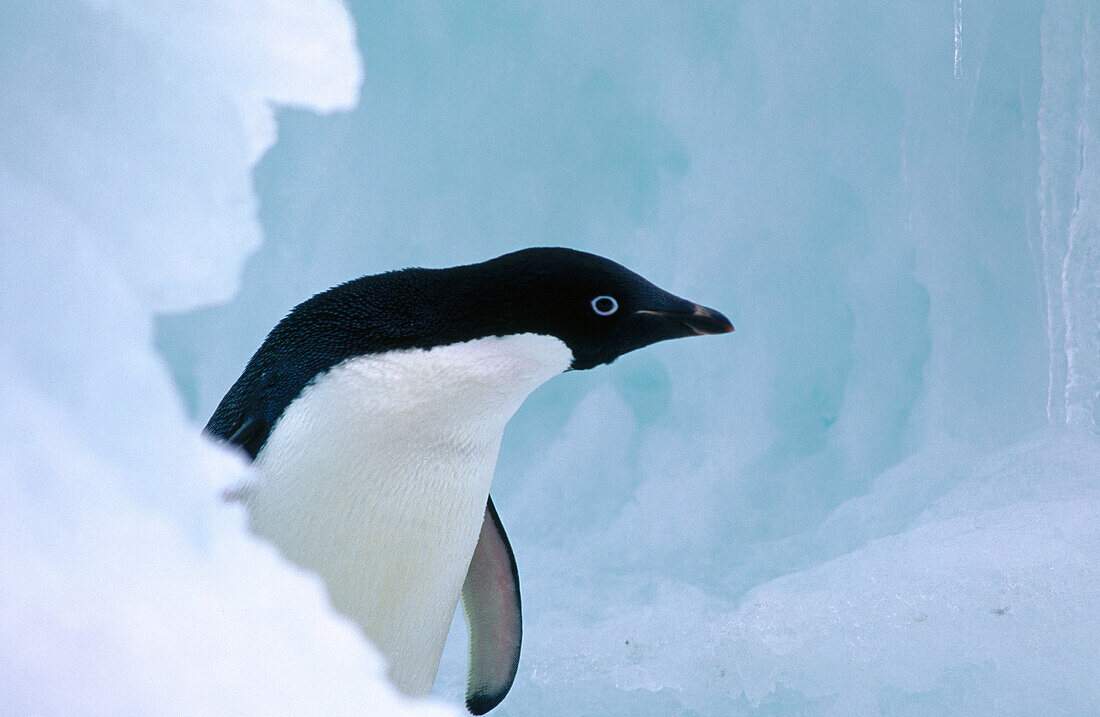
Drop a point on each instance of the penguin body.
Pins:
(374, 412)
(415, 428)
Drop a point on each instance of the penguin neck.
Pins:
(376, 479)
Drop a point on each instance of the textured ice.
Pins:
(880, 495)
(125, 188)
(1070, 181)
(958, 38)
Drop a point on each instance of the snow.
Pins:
(879, 496)
(125, 189)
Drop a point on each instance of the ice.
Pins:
(125, 188)
(958, 38)
(954, 614)
(1081, 265)
(1060, 143)
(1071, 199)
(880, 495)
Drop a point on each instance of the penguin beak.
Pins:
(675, 318)
(699, 320)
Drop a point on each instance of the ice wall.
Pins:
(1069, 118)
(128, 132)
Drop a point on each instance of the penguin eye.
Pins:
(605, 305)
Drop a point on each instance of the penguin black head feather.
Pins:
(598, 308)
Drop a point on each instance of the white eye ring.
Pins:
(604, 300)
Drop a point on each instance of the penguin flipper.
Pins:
(490, 601)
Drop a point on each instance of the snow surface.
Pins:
(880, 495)
(125, 188)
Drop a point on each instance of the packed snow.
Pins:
(881, 495)
(128, 586)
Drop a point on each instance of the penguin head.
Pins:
(598, 308)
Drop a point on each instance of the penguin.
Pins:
(374, 412)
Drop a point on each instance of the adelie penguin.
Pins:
(374, 412)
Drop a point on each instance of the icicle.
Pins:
(958, 38)
(1081, 267)
(1060, 156)
(1069, 182)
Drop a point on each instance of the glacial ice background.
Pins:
(880, 495)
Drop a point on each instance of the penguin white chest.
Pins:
(377, 475)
